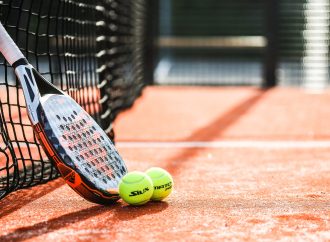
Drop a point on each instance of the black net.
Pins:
(120, 42)
(93, 50)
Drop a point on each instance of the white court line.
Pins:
(251, 144)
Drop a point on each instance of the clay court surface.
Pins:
(248, 164)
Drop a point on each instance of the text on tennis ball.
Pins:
(166, 186)
(138, 192)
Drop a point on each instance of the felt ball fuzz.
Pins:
(162, 181)
(136, 188)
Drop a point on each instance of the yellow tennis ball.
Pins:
(136, 188)
(163, 183)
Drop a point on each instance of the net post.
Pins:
(271, 51)
(152, 30)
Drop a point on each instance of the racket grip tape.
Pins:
(8, 48)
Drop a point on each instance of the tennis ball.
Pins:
(136, 188)
(163, 183)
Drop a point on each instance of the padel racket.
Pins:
(79, 148)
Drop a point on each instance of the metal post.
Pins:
(151, 35)
(271, 52)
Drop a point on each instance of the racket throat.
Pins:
(44, 86)
(34, 87)
(25, 75)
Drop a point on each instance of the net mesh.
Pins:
(91, 50)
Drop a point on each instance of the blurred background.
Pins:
(242, 42)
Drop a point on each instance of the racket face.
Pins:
(81, 143)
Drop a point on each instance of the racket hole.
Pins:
(87, 132)
(93, 163)
(77, 126)
(92, 132)
(64, 137)
(72, 116)
(89, 142)
(58, 117)
(122, 172)
(84, 121)
(94, 128)
(61, 127)
(102, 138)
(70, 148)
(64, 118)
(70, 138)
(113, 176)
(105, 181)
(78, 158)
(70, 119)
(89, 165)
(75, 113)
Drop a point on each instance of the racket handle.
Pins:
(8, 47)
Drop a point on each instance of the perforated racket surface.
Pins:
(81, 142)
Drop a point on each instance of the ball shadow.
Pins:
(126, 212)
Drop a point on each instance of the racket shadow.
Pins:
(21, 198)
(48, 226)
(120, 212)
